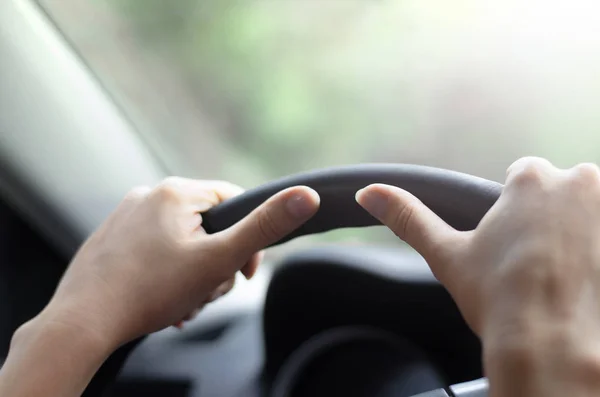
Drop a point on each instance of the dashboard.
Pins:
(325, 320)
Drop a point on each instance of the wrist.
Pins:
(67, 335)
(64, 325)
(542, 364)
(94, 313)
(55, 356)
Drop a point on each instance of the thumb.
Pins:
(411, 221)
(274, 219)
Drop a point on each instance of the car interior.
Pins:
(322, 319)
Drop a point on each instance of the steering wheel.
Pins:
(459, 199)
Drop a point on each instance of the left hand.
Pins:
(151, 264)
(223, 191)
(148, 266)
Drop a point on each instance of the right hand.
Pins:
(527, 279)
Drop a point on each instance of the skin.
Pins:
(147, 267)
(526, 279)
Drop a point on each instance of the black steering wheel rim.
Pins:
(314, 349)
(460, 199)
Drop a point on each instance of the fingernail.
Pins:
(300, 206)
(375, 202)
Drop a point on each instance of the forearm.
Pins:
(51, 357)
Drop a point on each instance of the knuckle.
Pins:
(268, 225)
(169, 188)
(529, 173)
(528, 160)
(587, 174)
(404, 217)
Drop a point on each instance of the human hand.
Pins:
(527, 279)
(151, 264)
(224, 192)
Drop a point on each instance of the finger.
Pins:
(204, 194)
(271, 221)
(220, 189)
(188, 318)
(193, 314)
(207, 194)
(250, 268)
(222, 289)
(411, 221)
(587, 173)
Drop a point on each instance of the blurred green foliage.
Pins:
(262, 75)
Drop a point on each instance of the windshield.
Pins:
(248, 91)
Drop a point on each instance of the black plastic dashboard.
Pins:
(239, 347)
(391, 290)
